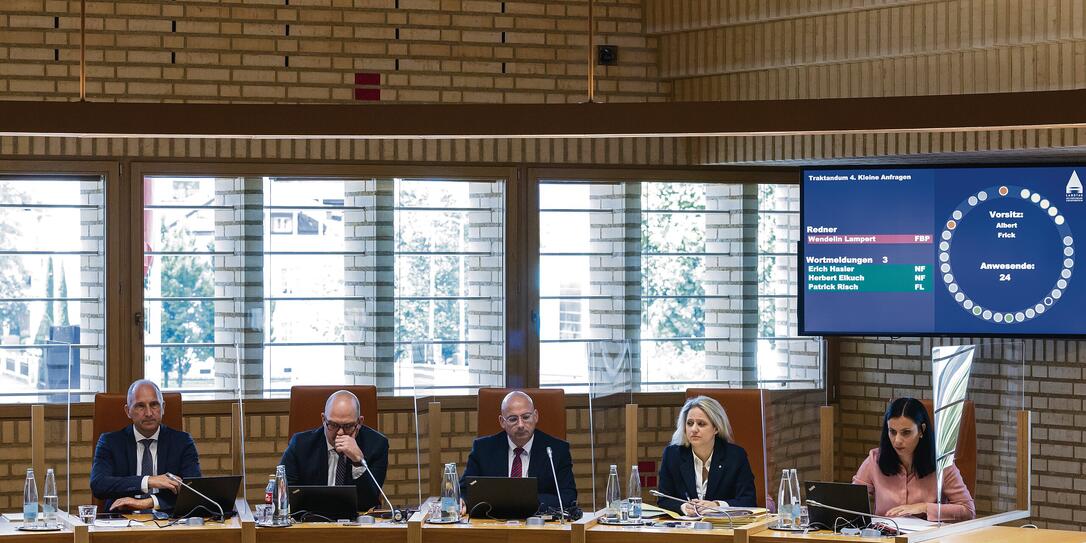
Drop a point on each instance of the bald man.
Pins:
(520, 450)
(332, 454)
(130, 465)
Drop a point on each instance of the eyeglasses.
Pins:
(526, 417)
(347, 427)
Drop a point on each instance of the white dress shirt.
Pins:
(154, 462)
(333, 459)
(702, 482)
(523, 457)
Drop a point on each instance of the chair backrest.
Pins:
(746, 409)
(965, 457)
(307, 405)
(550, 402)
(109, 413)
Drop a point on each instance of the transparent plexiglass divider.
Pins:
(792, 438)
(425, 466)
(612, 379)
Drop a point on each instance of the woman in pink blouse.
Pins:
(900, 474)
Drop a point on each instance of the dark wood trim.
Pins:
(387, 404)
(1050, 109)
(518, 371)
(530, 280)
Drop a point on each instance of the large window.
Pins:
(52, 277)
(696, 280)
(286, 281)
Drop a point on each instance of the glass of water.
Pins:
(87, 514)
(635, 509)
(264, 513)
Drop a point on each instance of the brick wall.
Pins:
(405, 50)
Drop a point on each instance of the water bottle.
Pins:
(50, 501)
(450, 495)
(633, 494)
(30, 499)
(281, 511)
(797, 503)
(269, 492)
(614, 493)
(785, 509)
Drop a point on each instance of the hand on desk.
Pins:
(907, 510)
(691, 510)
(132, 504)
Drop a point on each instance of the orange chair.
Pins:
(746, 409)
(307, 405)
(966, 455)
(109, 415)
(550, 402)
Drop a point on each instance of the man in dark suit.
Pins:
(520, 450)
(333, 453)
(131, 464)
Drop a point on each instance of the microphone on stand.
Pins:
(178, 480)
(397, 515)
(860, 514)
(557, 490)
(731, 523)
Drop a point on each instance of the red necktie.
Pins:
(516, 469)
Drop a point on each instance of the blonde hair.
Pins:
(713, 410)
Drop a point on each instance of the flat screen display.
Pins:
(982, 251)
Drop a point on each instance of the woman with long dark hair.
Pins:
(899, 474)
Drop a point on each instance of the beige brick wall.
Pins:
(492, 51)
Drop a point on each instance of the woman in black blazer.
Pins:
(702, 464)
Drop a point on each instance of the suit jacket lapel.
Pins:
(130, 449)
(160, 451)
(322, 465)
(686, 468)
(716, 468)
(537, 460)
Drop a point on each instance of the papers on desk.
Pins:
(908, 524)
(13, 517)
(652, 511)
(739, 516)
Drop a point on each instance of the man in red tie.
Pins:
(520, 450)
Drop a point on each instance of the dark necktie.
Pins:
(342, 471)
(147, 464)
(516, 469)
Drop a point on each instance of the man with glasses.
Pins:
(332, 454)
(520, 450)
(131, 465)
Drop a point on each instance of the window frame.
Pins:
(140, 170)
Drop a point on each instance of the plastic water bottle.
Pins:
(633, 493)
(450, 494)
(30, 499)
(281, 511)
(786, 511)
(50, 501)
(614, 493)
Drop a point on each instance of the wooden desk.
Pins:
(824, 536)
(9, 532)
(1008, 534)
(229, 531)
(382, 532)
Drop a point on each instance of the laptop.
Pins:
(315, 503)
(222, 490)
(842, 496)
(502, 497)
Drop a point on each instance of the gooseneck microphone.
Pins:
(178, 480)
(840, 510)
(557, 489)
(731, 523)
(397, 515)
